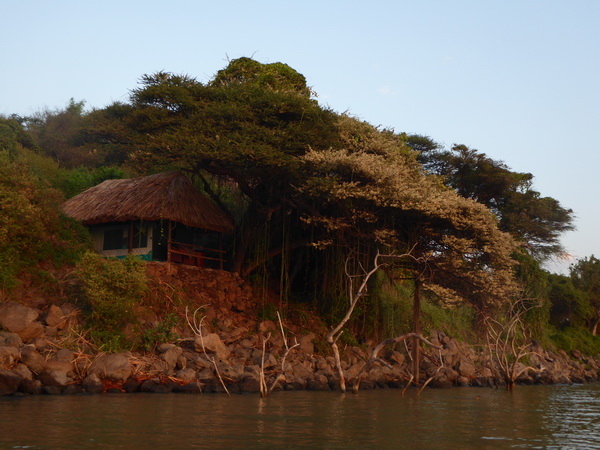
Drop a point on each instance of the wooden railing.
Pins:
(194, 255)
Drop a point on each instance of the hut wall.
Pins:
(114, 240)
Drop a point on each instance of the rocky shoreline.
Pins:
(39, 354)
(36, 365)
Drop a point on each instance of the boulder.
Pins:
(213, 344)
(93, 384)
(10, 339)
(319, 383)
(267, 325)
(307, 343)
(154, 386)
(131, 385)
(23, 371)
(171, 355)
(8, 357)
(32, 387)
(33, 359)
(398, 358)
(56, 373)
(32, 331)
(114, 367)
(190, 388)
(186, 375)
(64, 354)
(301, 373)
(15, 317)
(56, 318)
(467, 369)
(353, 370)
(250, 383)
(9, 382)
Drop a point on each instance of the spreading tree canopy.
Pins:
(311, 176)
(536, 221)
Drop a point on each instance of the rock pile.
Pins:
(35, 357)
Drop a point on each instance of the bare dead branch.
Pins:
(196, 326)
(374, 358)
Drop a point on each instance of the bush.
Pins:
(577, 338)
(161, 333)
(111, 288)
(32, 229)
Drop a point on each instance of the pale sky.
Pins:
(515, 79)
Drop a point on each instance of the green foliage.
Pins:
(32, 230)
(577, 338)
(275, 76)
(392, 301)
(534, 282)
(161, 333)
(268, 311)
(75, 181)
(110, 341)
(458, 321)
(532, 219)
(570, 306)
(111, 288)
(585, 275)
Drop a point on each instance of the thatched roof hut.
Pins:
(164, 196)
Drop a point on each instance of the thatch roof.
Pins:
(168, 196)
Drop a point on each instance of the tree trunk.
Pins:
(595, 324)
(416, 329)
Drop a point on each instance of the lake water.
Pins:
(529, 417)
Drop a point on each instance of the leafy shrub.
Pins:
(577, 338)
(111, 287)
(161, 333)
(32, 229)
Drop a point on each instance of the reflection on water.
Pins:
(529, 417)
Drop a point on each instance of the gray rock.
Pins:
(154, 386)
(462, 381)
(162, 348)
(319, 383)
(307, 343)
(190, 388)
(15, 317)
(8, 357)
(250, 383)
(171, 356)
(51, 390)
(213, 344)
(398, 358)
(32, 331)
(205, 375)
(64, 354)
(186, 375)
(56, 373)
(32, 387)
(111, 367)
(467, 369)
(10, 339)
(33, 359)
(353, 371)
(93, 384)
(23, 371)
(9, 382)
(56, 318)
(266, 326)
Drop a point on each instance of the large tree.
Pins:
(309, 176)
(536, 221)
(248, 126)
(585, 275)
(373, 191)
